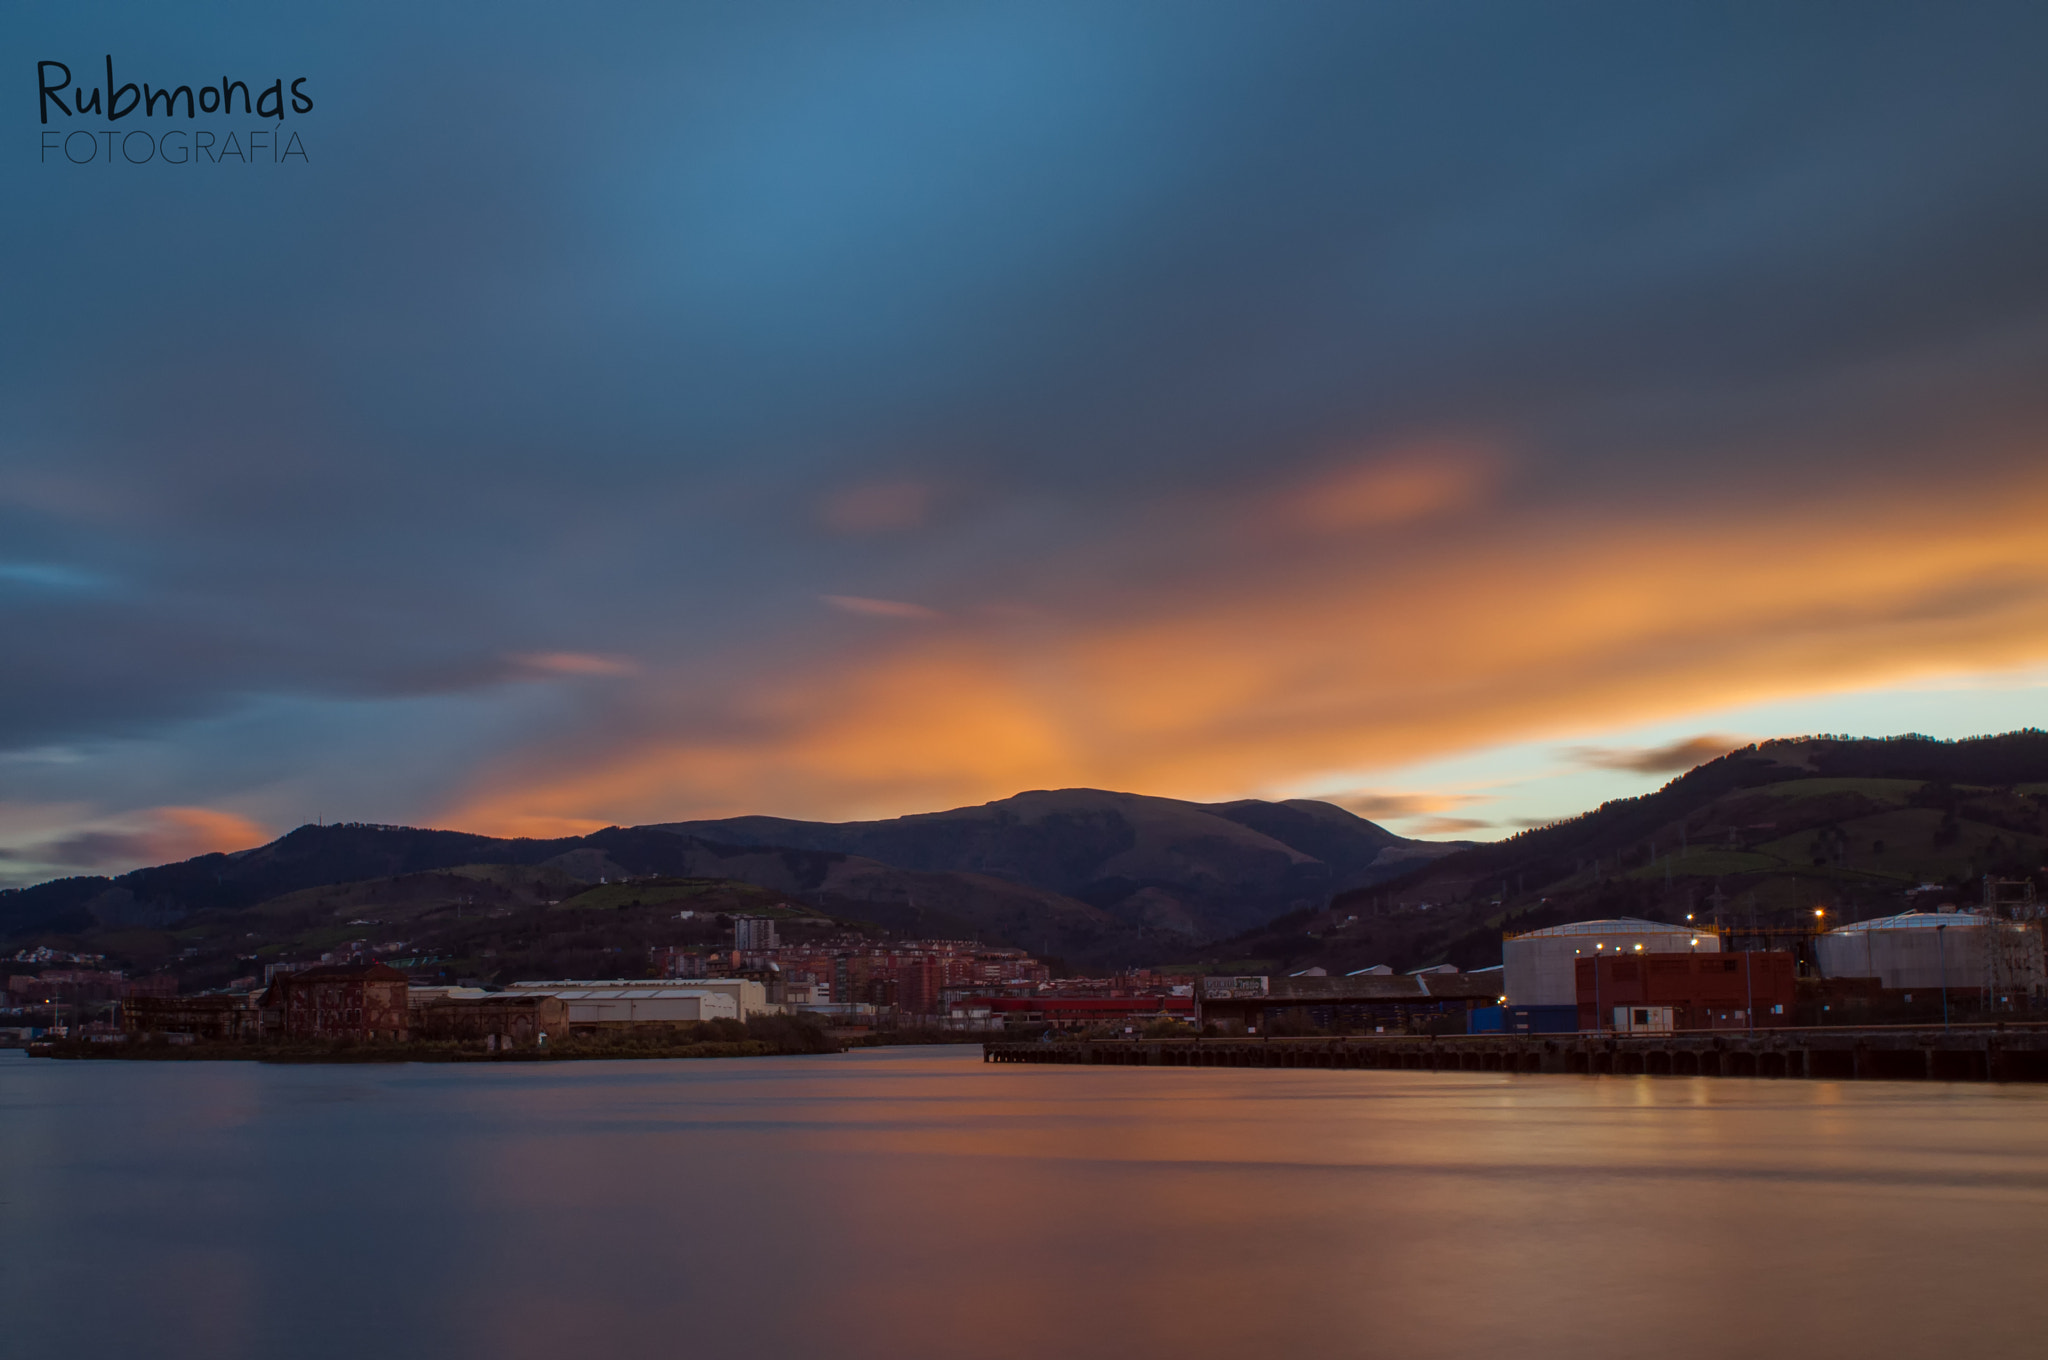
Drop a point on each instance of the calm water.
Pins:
(915, 1204)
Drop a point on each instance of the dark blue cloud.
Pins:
(577, 317)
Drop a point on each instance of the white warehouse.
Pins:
(1539, 968)
(623, 1001)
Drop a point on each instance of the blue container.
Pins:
(1487, 1020)
(1543, 1019)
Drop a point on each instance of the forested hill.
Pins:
(1095, 876)
(1769, 833)
(1838, 779)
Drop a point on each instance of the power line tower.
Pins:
(2013, 945)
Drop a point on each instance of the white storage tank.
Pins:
(1539, 966)
(1924, 950)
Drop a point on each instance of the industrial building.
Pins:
(1659, 993)
(1539, 968)
(1959, 951)
(1366, 1001)
(624, 1001)
(647, 1005)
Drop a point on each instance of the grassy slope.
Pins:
(1774, 832)
(712, 894)
(504, 921)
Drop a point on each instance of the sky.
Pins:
(629, 412)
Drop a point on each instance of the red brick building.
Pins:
(202, 1017)
(507, 1018)
(364, 1001)
(918, 980)
(1686, 991)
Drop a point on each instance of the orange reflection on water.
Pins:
(916, 1203)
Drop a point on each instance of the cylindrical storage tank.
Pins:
(1537, 968)
(1924, 950)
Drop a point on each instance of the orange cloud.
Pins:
(574, 663)
(1671, 759)
(1413, 483)
(186, 831)
(881, 508)
(1246, 671)
(1448, 826)
(1403, 806)
(546, 826)
(879, 609)
(149, 836)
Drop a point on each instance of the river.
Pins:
(915, 1203)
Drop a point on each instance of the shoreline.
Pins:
(87, 1051)
(455, 1051)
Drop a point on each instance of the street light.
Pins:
(1597, 1023)
(1749, 989)
(1941, 951)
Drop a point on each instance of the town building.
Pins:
(753, 933)
(675, 961)
(66, 985)
(916, 978)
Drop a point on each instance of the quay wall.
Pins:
(1964, 1053)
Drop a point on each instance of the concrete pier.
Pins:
(1902, 1053)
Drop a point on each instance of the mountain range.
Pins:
(1771, 833)
(1097, 877)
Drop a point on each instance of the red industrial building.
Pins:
(1656, 992)
(341, 1001)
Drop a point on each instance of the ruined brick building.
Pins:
(363, 1001)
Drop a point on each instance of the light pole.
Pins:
(1749, 989)
(1598, 1022)
(1941, 952)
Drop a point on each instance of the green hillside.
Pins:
(492, 922)
(683, 894)
(1767, 835)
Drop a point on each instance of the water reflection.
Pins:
(916, 1203)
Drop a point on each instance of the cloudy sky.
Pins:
(631, 412)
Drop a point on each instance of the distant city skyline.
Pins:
(839, 412)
